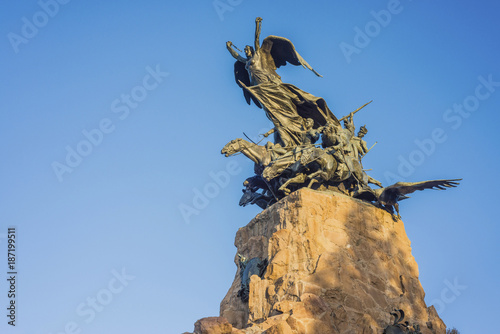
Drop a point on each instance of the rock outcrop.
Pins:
(214, 325)
(336, 265)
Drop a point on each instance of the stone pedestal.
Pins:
(336, 265)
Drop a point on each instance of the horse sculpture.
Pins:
(284, 167)
(314, 164)
(258, 154)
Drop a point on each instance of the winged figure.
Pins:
(285, 105)
(388, 197)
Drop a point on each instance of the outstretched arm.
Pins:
(350, 121)
(351, 118)
(268, 132)
(364, 148)
(229, 46)
(257, 33)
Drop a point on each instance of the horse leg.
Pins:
(300, 178)
(314, 177)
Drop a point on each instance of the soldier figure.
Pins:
(359, 145)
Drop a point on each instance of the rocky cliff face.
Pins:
(336, 265)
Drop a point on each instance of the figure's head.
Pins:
(246, 198)
(309, 123)
(249, 51)
(329, 128)
(362, 131)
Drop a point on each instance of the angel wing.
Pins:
(275, 52)
(404, 188)
(280, 50)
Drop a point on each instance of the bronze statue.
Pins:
(400, 327)
(388, 197)
(258, 154)
(285, 105)
(318, 166)
(360, 148)
(251, 195)
(255, 266)
(340, 140)
(300, 120)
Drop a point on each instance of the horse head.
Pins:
(251, 150)
(232, 147)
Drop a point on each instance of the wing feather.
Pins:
(403, 188)
(282, 51)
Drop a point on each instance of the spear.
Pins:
(234, 46)
(355, 111)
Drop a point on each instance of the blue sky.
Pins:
(144, 94)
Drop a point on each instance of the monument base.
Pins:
(336, 265)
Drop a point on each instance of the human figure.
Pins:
(310, 135)
(285, 105)
(360, 149)
(359, 145)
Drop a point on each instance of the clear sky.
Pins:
(112, 119)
